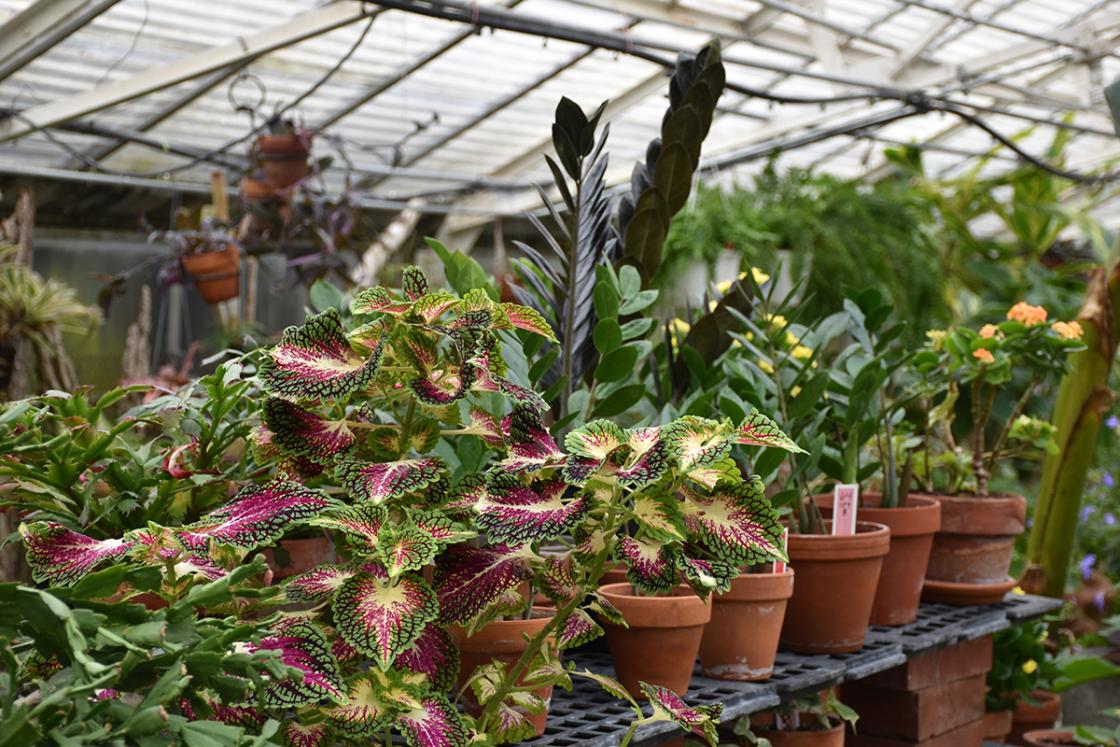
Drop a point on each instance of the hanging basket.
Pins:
(283, 158)
(216, 274)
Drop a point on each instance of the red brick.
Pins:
(949, 664)
(969, 735)
(917, 715)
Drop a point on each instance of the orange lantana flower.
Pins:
(1027, 314)
(984, 356)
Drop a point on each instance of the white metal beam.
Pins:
(302, 27)
(40, 26)
(911, 53)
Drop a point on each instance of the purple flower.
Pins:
(1030, 522)
(1086, 565)
(1112, 422)
(1098, 601)
(1110, 518)
(1086, 512)
(1107, 480)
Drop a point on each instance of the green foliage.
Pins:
(1021, 663)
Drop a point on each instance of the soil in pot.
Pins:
(904, 568)
(836, 581)
(662, 640)
(813, 737)
(1049, 738)
(741, 640)
(216, 274)
(997, 725)
(283, 158)
(1038, 711)
(976, 539)
(303, 555)
(506, 641)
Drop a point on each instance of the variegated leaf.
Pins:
(603, 607)
(382, 617)
(596, 440)
(577, 629)
(318, 583)
(438, 388)
(432, 306)
(557, 581)
(759, 430)
(60, 556)
(528, 319)
(468, 579)
(378, 482)
(441, 528)
(531, 446)
(698, 442)
(521, 514)
(303, 647)
(413, 282)
(299, 735)
(723, 470)
(648, 457)
(706, 576)
(434, 656)
(667, 705)
(378, 300)
(258, 515)
(650, 565)
(660, 517)
(487, 427)
(612, 686)
(364, 712)
(303, 432)
(316, 361)
(512, 725)
(434, 723)
(489, 381)
(361, 522)
(404, 549)
(736, 524)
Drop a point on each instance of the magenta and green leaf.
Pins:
(647, 459)
(301, 735)
(382, 617)
(404, 548)
(378, 482)
(60, 556)
(698, 442)
(531, 446)
(316, 361)
(706, 576)
(736, 523)
(303, 647)
(433, 655)
(364, 712)
(577, 629)
(650, 564)
(361, 522)
(519, 513)
(468, 580)
(304, 432)
(759, 430)
(378, 300)
(318, 583)
(413, 282)
(668, 706)
(258, 515)
(434, 722)
(528, 319)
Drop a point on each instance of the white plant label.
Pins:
(845, 501)
(779, 566)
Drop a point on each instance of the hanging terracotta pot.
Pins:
(972, 551)
(741, 640)
(836, 582)
(662, 640)
(997, 725)
(505, 641)
(283, 158)
(1049, 738)
(304, 554)
(817, 737)
(216, 274)
(1041, 712)
(256, 190)
(904, 568)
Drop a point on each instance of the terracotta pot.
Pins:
(741, 640)
(283, 159)
(303, 555)
(506, 641)
(616, 574)
(662, 640)
(833, 737)
(904, 569)
(1038, 715)
(1049, 738)
(976, 539)
(216, 274)
(997, 725)
(256, 190)
(836, 581)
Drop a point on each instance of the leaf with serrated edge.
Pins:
(434, 723)
(303, 432)
(648, 458)
(362, 522)
(737, 524)
(522, 514)
(706, 576)
(258, 515)
(433, 655)
(316, 361)
(382, 617)
(469, 579)
(660, 516)
(597, 440)
(59, 555)
(759, 430)
(303, 647)
(612, 686)
(668, 706)
(364, 711)
(318, 583)
(650, 568)
(528, 319)
(378, 300)
(577, 629)
(698, 441)
(378, 482)
(299, 735)
(413, 282)
(404, 549)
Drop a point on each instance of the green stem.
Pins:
(630, 733)
(406, 427)
(1005, 433)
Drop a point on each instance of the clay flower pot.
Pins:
(256, 190)
(283, 158)
(972, 551)
(741, 640)
(506, 641)
(304, 554)
(615, 574)
(1040, 714)
(836, 582)
(904, 569)
(662, 640)
(216, 274)
(817, 737)
(997, 725)
(1049, 738)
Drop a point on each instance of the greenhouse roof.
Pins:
(448, 105)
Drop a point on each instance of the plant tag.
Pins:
(845, 501)
(779, 566)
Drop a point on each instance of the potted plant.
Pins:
(1090, 736)
(817, 721)
(971, 553)
(740, 641)
(1021, 665)
(283, 153)
(211, 257)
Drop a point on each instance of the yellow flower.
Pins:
(802, 353)
(723, 287)
(712, 306)
(988, 331)
(984, 356)
(1030, 666)
(1027, 314)
(777, 321)
(679, 327)
(1068, 330)
(766, 366)
(1018, 591)
(759, 276)
(795, 391)
(935, 335)
(791, 339)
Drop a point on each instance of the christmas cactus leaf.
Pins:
(60, 556)
(303, 432)
(660, 517)
(736, 524)
(577, 629)
(648, 458)
(405, 548)
(434, 723)
(468, 579)
(316, 361)
(364, 712)
(320, 582)
(303, 647)
(259, 514)
(434, 656)
(531, 446)
(361, 522)
(413, 282)
(706, 576)
(299, 735)
(521, 514)
(759, 430)
(432, 306)
(378, 482)
(613, 687)
(698, 442)
(528, 319)
(651, 568)
(378, 300)
(381, 617)
(597, 440)
(668, 706)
